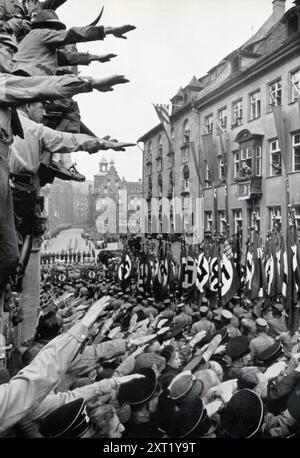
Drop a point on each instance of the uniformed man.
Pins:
(262, 341)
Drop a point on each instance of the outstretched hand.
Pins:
(115, 145)
(105, 84)
(104, 58)
(118, 32)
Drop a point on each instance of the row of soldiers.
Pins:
(68, 257)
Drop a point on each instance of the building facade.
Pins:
(113, 202)
(234, 103)
(67, 204)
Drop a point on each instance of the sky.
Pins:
(173, 41)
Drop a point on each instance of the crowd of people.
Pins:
(108, 359)
(110, 362)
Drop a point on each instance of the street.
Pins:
(71, 239)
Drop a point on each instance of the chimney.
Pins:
(278, 8)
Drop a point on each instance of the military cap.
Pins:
(203, 309)
(278, 307)
(237, 347)
(139, 297)
(227, 314)
(179, 306)
(69, 420)
(167, 301)
(48, 18)
(269, 356)
(184, 385)
(144, 302)
(204, 300)
(243, 415)
(126, 296)
(139, 391)
(261, 322)
(190, 420)
(151, 300)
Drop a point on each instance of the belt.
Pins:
(27, 179)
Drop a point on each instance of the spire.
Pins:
(194, 84)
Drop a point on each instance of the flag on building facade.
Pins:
(281, 129)
(163, 115)
(211, 156)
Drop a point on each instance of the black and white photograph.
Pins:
(149, 222)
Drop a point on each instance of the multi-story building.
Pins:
(113, 201)
(67, 204)
(236, 98)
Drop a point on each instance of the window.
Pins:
(222, 222)
(294, 85)
(208, 121)
(246, 156)
(255, 105)
(275, 217)
(296, 152)
(255, 218)
(149, 156)
(186, 179)
(160, 148)
(257, 150)
(275, 158)
(275, 93)
(222, 118)
(297, 217)
(236, 162)
(221, 168)
(237, 113)
(186, 131)
(159, 185)
(237, 220)
(208, 221)
(208, 179)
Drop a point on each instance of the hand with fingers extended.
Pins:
(115, 145)
(118, 32)
(104, 58)
(128, 378)
(95, 310)
(105, 84)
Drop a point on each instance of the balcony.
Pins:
(249, 188)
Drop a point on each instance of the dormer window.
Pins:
(293, 24)
(235, 64)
